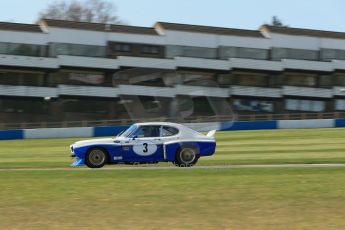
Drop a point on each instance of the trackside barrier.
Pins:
(248, 125)
(58, 133)
(339, 122)
(11, 134)
(205, 126)
(107, 131)
(306, 124)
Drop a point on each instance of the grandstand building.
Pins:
(69, 71)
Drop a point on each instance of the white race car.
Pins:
(151, 142)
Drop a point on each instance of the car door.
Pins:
(145, 145)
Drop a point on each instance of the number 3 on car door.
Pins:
(145, 147)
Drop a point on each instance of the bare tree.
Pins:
(100, 11)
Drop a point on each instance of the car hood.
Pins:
(104, 141)
(93, 142)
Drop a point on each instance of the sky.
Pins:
(243, 14)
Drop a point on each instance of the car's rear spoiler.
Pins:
(212, 133)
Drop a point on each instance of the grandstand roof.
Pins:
(208, 29)
(100, 27)
(20, 27)
(302, 32)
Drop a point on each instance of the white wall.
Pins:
(27, 91)
(307, 65)
(99, 38)
(305, 42)
(26, 61)
(83, 37)
(248, 42)
(86, 62)
(330, 43)
(190, 39)
(212, 40)
(23, 37)
(294, 42)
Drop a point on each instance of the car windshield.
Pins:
(128, 131)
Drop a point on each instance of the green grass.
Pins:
(290, 198)
(241, 147)
(257, 198)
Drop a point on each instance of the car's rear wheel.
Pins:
(186, 157)
(96, 158)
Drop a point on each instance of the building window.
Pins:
(253, 105)
(242, 52)
(201, 106)
(9, 77)
(23, 105)
(121, 47)
(198, 79)
(145, 77)
(299, 54)
(224, 80)
(340, 79)
(189, 51)
(77, 78)
(300, 79)
(326, 81)
(332, 54)
(85, 106)
(150, 49)
(22, 49)
(251, 79)
(150, 104)
(340, 104)
(305, 105)
(76, 50)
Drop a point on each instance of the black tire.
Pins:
(186, 157)
(96, 158)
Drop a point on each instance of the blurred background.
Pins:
(92, 62)
(272, 69)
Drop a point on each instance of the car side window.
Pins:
(168, 131)
(147, 131)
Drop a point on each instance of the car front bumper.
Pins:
(78, 162)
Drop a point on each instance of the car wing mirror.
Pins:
(134, 137)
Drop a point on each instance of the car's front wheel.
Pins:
(96, 158)
(186, 157)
